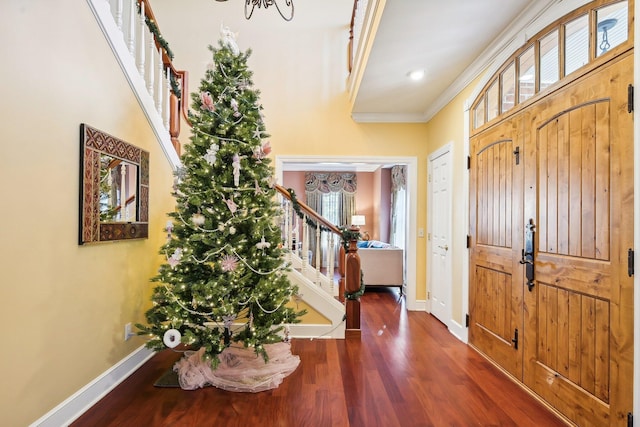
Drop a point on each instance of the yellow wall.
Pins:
(448, 127)
(64, 306)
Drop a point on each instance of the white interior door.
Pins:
(439, 245)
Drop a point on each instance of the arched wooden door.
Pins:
(495, 294)
(574, 310)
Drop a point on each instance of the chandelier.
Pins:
(284, 7)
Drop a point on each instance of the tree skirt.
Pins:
(240, 369)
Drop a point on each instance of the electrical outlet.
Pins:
(127, 332)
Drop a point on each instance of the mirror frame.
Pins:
(93, 144)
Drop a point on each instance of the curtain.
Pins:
(398, 205)
(332, 195)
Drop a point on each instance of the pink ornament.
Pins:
(229, 263)
(262, 151)
(231, 205)
(207, 101)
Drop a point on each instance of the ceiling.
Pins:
(452, 40)
(443, 38)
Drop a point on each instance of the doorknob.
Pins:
(445, 247)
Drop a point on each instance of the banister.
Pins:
(348, 266)
(303, 206)
(178, 103)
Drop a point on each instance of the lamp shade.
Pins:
(357, 220)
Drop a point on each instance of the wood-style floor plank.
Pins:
(407, 370)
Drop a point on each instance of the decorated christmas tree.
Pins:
(224, 282)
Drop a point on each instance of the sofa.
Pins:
(381, 265)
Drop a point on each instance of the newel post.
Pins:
(352, 286)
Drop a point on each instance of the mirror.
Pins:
(114, 188)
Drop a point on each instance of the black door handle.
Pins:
(527, 254)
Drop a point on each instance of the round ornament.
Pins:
(172, 338)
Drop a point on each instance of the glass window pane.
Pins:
(478, 114)
(576, 42)
(612, 26)
(549, 69)
(527, 75)
(508, 81)
(492, 101)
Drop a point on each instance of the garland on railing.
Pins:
(348, 235)
(175, 86)
(308, 220)
(156, 32)
(153, 28)
(357, 294)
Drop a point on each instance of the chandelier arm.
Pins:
(288, 3)
(250, 5)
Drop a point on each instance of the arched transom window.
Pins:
(561, 50)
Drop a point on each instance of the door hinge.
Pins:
(630, 262)
(630, 419)
(467, 320)
(630, 98)
(516, 153)
(515, 339)
(468, 162)
(468, 241)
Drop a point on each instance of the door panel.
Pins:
(578, 185)
(495, 275)
(440, 258)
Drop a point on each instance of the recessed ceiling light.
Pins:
(416, 75)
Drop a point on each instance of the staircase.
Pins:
(144, 56)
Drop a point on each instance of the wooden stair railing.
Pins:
(134, 35)
(178, 108)
(348, 261)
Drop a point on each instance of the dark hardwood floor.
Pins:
(407, 370)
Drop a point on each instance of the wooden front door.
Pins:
(578, 323)
(574, 185)
(495, 293)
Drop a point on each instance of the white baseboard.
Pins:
(459, 331)
(301, 330)
(77, 404)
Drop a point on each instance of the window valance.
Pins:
(330, 182)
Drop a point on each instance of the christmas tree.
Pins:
(224, 281)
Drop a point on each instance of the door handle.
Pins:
(445, 247)
(527, 254)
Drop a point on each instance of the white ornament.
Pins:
(236, 169)
(232, 230)
(212, 153)
(175, 257)
(229, 39)
(198, 219)
(172, 338)
(263, 244)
